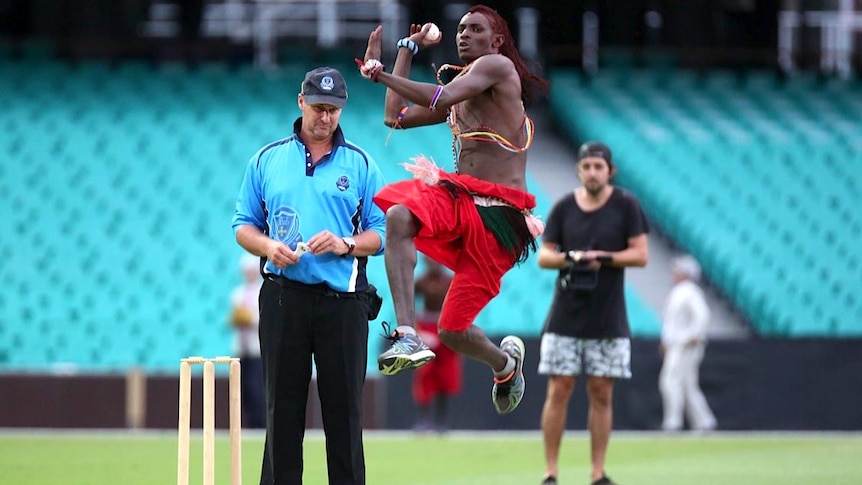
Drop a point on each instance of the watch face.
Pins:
(351, 244)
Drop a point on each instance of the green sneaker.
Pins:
(508, 392)
(406, 352)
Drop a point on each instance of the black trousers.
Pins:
(298, 323)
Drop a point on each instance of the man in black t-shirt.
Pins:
(591, 236)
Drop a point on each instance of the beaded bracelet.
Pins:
(400, 117)
(409, 44)
(396, 125)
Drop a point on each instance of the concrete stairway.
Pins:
(552, 165)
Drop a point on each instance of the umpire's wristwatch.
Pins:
(351, 244)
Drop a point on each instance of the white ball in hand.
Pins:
(433, 32)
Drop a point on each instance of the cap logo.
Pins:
(327, 84)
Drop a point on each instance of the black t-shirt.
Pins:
(600, 312)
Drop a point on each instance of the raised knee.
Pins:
(398, 214)
(400, 222)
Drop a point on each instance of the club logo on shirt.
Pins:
(343, 183)
(286, 225)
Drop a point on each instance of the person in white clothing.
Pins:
(683, 342)
(244, 318)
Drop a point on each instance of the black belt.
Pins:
(317, 288)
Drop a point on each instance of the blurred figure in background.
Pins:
(593, 234)
(683, 341)
(440, 379)
(244, 318)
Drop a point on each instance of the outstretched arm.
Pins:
(484, 73)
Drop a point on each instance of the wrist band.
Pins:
(409, 44)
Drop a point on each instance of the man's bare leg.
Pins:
(400, 259)
(407, 350)
(554, 420)
(475, 344)
(507, 362)
(599, 421)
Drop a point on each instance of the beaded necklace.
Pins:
(480, 133)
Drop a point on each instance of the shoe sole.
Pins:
(395, 364)
(519, 369)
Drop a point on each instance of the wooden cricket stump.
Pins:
(184, 427)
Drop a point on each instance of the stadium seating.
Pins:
(759, 178)
(117, 187)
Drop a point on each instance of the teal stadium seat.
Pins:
(755, 177)
(117, 188)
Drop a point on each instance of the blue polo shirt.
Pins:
(284, 195)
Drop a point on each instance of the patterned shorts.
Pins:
(570, 356)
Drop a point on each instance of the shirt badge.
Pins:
(343, 183)
(286, 225)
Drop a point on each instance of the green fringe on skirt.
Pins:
(510, 229)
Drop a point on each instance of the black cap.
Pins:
(324, 85)
(595, 149)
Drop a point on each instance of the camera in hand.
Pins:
(578, 276)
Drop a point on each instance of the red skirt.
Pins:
(452, 233)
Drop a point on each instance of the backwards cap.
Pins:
(595, 149)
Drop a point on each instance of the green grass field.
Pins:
(454, 459)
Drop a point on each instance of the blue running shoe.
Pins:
(508, 392)
(406, 352)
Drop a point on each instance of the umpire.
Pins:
(305, 208)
